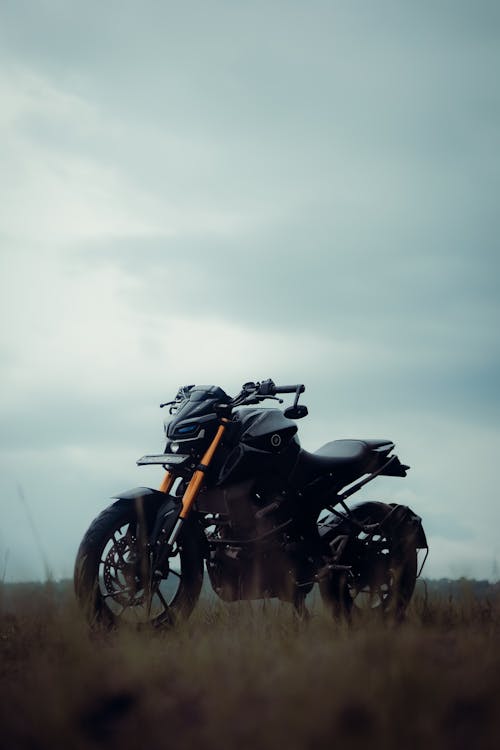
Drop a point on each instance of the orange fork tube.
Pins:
(167, 483)
(194, 485)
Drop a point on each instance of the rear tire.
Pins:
(383, 575)
(112, 570)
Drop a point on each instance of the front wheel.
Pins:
(382, 569)
(113, 570)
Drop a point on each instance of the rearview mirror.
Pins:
(296, 412)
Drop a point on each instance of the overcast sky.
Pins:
(215, 192)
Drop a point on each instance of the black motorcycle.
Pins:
(268, 518)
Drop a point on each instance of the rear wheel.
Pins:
(113, 570)
(383, 569)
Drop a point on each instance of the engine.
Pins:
(245, 562)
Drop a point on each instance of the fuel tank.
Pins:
(264, 443)
(265, 429)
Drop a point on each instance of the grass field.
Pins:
(251, 676)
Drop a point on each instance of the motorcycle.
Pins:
(268, 518)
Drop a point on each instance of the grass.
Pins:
(252, 676)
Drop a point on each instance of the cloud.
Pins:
(232, 192)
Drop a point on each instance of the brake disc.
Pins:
(123, 573)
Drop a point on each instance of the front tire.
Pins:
(112, 570)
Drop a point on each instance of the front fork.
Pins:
(195, 483)
(162, 549)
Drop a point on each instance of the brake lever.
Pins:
(272, 398)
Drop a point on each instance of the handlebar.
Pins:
(251, 393)
(254, 392)
(289, 388)
(268, 388)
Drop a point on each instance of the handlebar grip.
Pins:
(289, 388)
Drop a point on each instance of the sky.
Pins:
(216, 192)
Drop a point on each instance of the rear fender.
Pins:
(396, 519)
(405, 520)
(395, 468)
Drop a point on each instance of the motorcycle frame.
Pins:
(339, 499)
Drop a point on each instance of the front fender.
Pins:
(139, 493)
(166, 508)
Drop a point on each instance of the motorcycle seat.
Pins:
(351, 449)
(344, 458)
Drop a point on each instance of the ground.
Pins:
(252, 676)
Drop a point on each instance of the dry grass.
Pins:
(252, 676)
